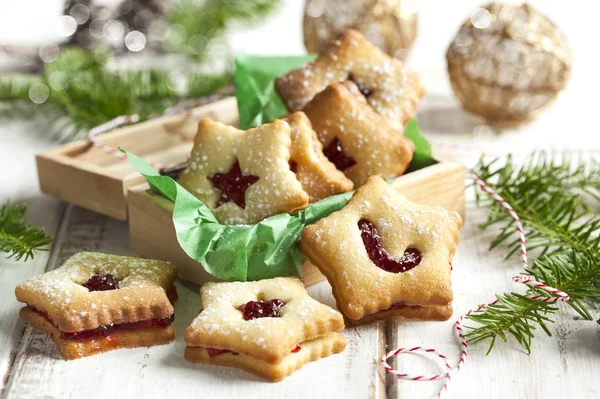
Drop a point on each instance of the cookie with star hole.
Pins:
(269, 327)
(318, 176)
(355, 138)
(391, 88)
(243, 176)
(385, 256)
(97, 302)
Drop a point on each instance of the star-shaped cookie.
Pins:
(383, 253)
(269, 327)
(355, 138)
(243, 176)
(318, 176)
(97, 302)
(391, 88)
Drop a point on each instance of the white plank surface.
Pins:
(565, 365)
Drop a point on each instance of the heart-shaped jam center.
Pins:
(335, 153)
(233, 185)
(104, 282)
(258, 309)
(378, 255)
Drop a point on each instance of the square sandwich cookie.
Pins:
(97, 302)
(243, 176)
(385, 256)
(270, 328)
(391, 88)
(318, 176)
(356, 139)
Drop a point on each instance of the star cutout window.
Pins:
(243, 176)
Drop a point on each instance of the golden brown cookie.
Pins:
(355, 138)
(265, 321)
(391, 88)
(243, 176)
(308, 351)
(382, 251)
(97, 302)
(319, 177)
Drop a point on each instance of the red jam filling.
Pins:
(335, 153)
(104, 282)
(401, 305)
(258, 309)
(233, 185)
(105, 331)
(379, 256)
(296, 349)
(294, 166)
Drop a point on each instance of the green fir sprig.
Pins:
(556, 198)
(82, 92)
(18, 238)
(196, 26)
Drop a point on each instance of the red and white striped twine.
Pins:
(184, 107)
(458, 326)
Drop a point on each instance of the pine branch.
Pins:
(84, 93)
(18, 238)
(198, 25)
(547, 192)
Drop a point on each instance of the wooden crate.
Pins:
(152, 234)
(94, 179)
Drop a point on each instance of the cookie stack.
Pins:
(350, 106)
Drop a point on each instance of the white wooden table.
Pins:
(564, 365)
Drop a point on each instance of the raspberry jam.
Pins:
(335, 153)
(105, 331)
(104, 282)
(294, 166)
(233, 185)
(296, 349)
(402, 305)
(212, 352)
(258, 309)
(378, 255)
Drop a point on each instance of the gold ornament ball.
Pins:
(507, 62)
(389, 24)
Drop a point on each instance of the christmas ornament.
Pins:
(507, 62)
(389, 24)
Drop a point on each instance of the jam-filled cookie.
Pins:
(355, 138)
(391, 88)
(243, 176)
(385, 256)
(270, 328)
(318, 176)
(97, 302)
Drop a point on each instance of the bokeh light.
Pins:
(38, 93)
(113, 30)
(66, 25)
(49, 52)
(135, 41)
(81, 13)
(481, 18)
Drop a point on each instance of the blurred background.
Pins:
(184, 49)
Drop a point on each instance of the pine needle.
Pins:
(18, 238)
(548, 192)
